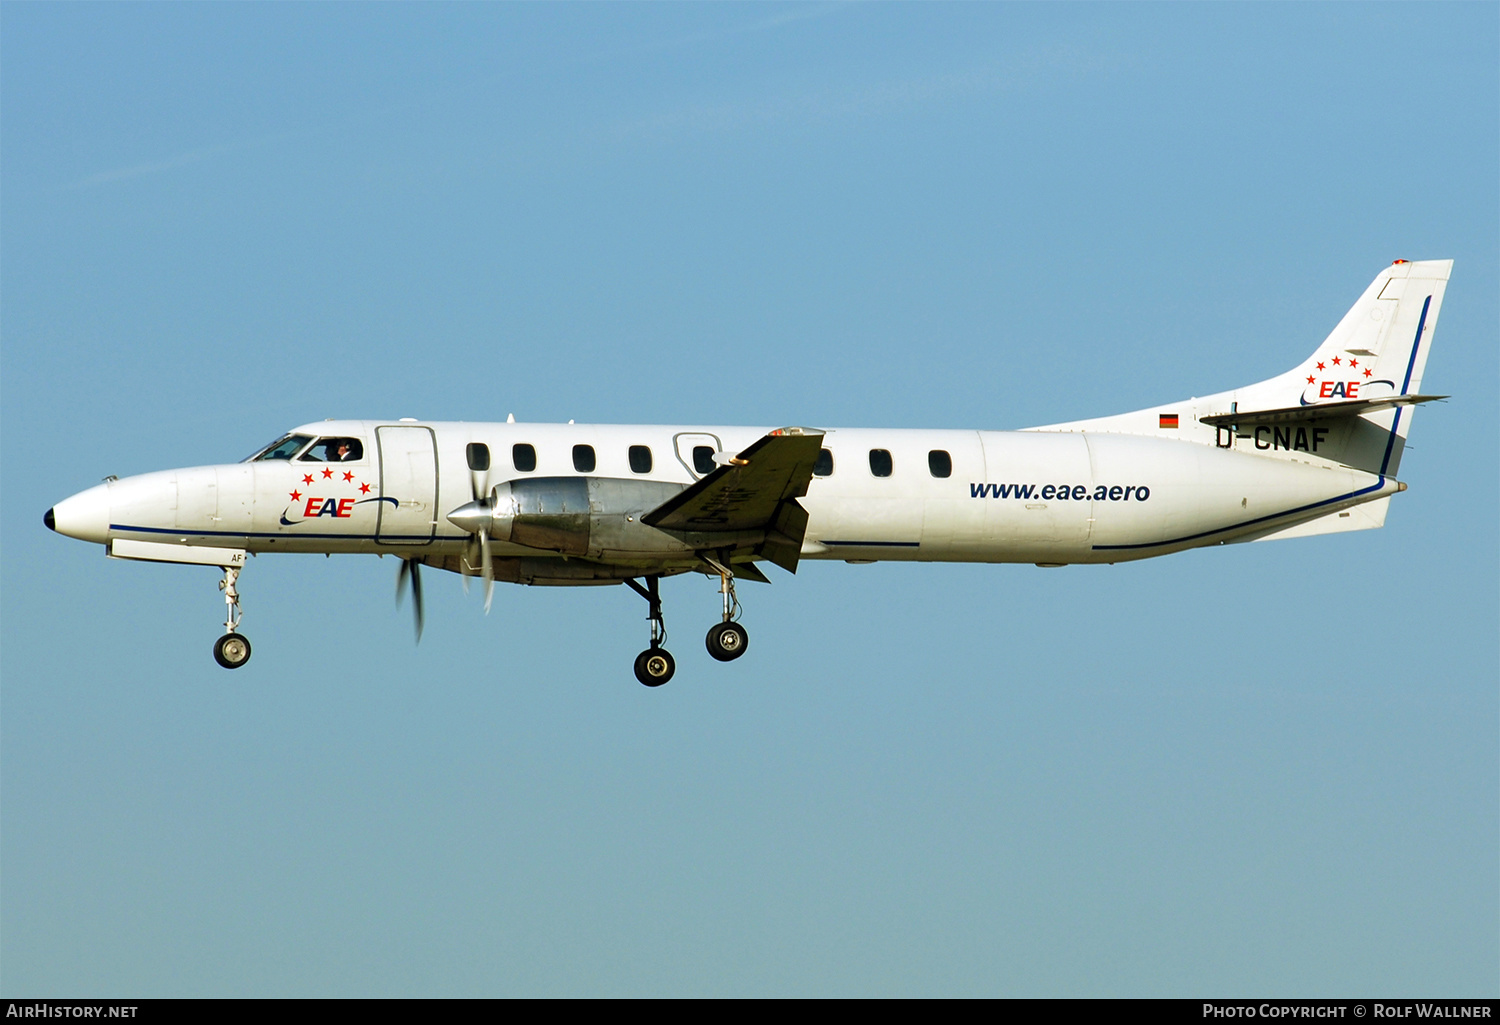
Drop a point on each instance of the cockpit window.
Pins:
(335, 450)
(281, 448)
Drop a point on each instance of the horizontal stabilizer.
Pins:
(1316, 411)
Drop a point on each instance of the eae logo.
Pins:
(1339, 390)
(342, 508)
(1321, 388)
(311, 507)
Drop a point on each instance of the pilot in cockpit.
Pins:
(335, 450)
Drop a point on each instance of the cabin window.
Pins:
(583, 458)
(284, 448)
(940, 463)
(703, 459)
(334, 450)
(523, 457)
(880, 462)
(823, 465)
(640, 459)
(478, 456)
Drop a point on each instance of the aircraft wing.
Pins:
(756, 490)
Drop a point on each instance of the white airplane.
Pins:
(1312, 451)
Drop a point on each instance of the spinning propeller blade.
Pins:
(488, 570)
(479, 481)
(411, 569)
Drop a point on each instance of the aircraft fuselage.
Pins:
(1005, 496)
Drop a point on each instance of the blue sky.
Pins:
(1263, 769)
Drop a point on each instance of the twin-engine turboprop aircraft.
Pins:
(1312, 451)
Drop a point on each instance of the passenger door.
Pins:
(408, 485)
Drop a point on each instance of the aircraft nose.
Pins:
(84, 516)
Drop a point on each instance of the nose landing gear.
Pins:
(232, 650)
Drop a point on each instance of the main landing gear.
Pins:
(232, 650)
(726, 641)
(655, 665)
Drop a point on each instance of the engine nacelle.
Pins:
(573, 515)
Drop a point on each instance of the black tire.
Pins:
(232, 651)
(727, 641)
(655, 666)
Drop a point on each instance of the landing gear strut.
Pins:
(727, 640)
(655, 665)
(232, 650)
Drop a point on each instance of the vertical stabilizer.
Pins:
(1377, 351)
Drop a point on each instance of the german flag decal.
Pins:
(1166, 420)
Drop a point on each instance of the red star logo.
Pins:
(348, 475)
(327, 473)
(1309, 378)
(364, 489)
(1320, 366)
(296, 495)
(1367, 371)
(1354, 362)
(1335, 361)
(307, 478)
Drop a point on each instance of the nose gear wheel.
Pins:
(232, 650)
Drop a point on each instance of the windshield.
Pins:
(282, 448)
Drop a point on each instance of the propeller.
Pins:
(479, 480)
(411, 570)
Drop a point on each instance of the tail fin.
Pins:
(1392, 323)
(1357, 387)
